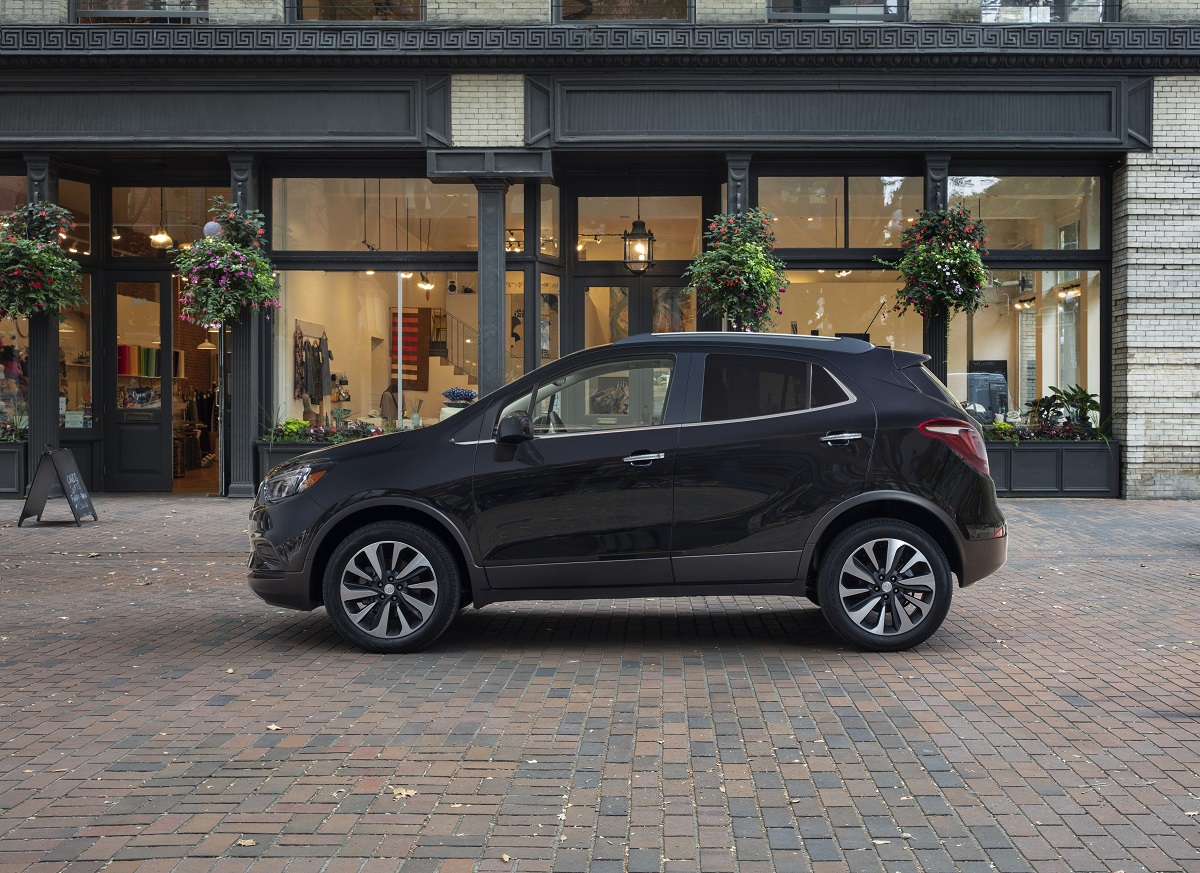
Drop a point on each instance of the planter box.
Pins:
(1048, 468)
(12, 469)
(271, 455)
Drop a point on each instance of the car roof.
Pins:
(783, 341)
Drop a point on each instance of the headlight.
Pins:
(290, 481)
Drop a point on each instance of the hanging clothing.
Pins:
(298, 379)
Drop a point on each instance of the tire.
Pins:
(884, 585)
(391, 587)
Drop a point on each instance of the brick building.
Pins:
(448, 183)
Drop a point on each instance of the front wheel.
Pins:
(391, 587)
(884, 585)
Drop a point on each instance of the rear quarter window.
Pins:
(753, 386)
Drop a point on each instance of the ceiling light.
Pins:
(116, 234)
(207, 346)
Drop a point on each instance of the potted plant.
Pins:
(292, 436)
(227, 272)
(37, 276)
(14, 437)
(1058, 451)
(941, 264)
(738, 277)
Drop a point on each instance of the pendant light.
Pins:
(160, 239)
(639, 242)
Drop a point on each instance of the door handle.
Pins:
(840, 439)
(643, 459)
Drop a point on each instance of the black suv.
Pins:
(671, 464)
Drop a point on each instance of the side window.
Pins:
(609, 396)
(751, 386)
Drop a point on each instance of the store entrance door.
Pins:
(138, 438)
(627, 305)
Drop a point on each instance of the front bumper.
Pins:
(280, 541)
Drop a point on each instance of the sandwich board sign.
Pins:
(58, 475)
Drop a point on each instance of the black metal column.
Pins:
(738, 182)
(42, 184)
(247, 378)
(936, 337)
(493, 304)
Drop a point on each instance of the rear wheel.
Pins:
(391, 587)
(884, 585)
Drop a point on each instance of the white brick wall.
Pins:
(731, 11)
(34, 11)
(244, 11)
(487, 11)
(487, 111)
(943, 10)
(1156, 302)
(1160, 10)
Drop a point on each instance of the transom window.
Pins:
(835, 11)
(751, 386)
(364, 11)
(1049, 11)
(140, 11)
(600, 11)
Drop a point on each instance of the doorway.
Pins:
(161, 426)
(617, 306)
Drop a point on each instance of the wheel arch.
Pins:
(895, 505)
(360, 514)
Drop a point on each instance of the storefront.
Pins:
(409, 266)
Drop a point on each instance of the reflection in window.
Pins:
(549, 220)
(837, 10)
(548, 349)
(14, 371)
(139, 346)
(75, 362)
(518, 325)
(514, 219)
(1027, 212)
(605, 314)
(810, 211)
(360, 215)
(1036, 332)
(615, 394)
(881, 207)
(674, 221)
(855, 303)
(140, 11)
(358, 10)
(395, 360)
(77, 197)
(1047, 11)
(140, 213)
(621, 10)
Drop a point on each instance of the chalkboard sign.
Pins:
(57, 475)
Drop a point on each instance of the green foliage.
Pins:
(16, 429)
(294, 430)
(1076, 402)
(36, 275)
(941, 263)
(229, 272)
(738, 277)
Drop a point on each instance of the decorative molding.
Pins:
(480, 164)
(737, 166)
(1149, 49)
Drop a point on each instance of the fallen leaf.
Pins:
(274, 727)
(881, 842)
(247, 842)
(401, 792)
(505, 858)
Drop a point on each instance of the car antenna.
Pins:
(882, 303)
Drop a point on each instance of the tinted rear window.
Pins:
(751, 386)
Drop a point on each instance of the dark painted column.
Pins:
(42, 184)
(738, 187)
(493, 306)
(936, 329)
(247, 377)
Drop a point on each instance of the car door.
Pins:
(770, 442)
(587, 500)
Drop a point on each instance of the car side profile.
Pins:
(683, 464)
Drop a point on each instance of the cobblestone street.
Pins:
(156, 716)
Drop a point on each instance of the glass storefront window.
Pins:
(606, 314)
(75, 363)
(14, 370)
(140, 213)
(394, 360)
(809, 210)
(77, 197)
(548, 232)
(514, 220)
(1033, 212)
(358, 10)
(1037, 331)
(854, 303)
(514, 292)
(673, 310)
(881, 207)
(548, 348)
(360, 215)
(139, 346)
(14, 191)
(568, 11)
(674, 221)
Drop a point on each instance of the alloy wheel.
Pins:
(388, 589)
(886, 587)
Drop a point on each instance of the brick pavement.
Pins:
(155, 715)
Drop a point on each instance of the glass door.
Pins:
(138, 438)
(630, 305)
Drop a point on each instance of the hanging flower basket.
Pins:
(228, 272)
(36, 275)
(738, 277)
(941, 263)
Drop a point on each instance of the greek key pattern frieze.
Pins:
(1107, 47)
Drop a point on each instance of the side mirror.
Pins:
(514, 428)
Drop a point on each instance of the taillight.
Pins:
(962, 437)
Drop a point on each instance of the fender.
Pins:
(831, 517)
(359, 503)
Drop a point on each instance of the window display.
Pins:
(855, 303)
(1033, 212)
(811, 211)
(75, 363)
